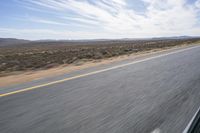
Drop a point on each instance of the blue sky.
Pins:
(94, 19)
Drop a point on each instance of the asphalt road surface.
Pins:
(156, 95)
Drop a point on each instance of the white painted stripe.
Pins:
(190, 123)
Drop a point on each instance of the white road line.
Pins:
(190, 123)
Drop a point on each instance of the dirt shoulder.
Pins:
(45, 55)
(22, 77)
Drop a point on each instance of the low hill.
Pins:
(12, 41)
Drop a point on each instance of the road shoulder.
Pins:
(24, 77)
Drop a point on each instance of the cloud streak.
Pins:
(115, 19)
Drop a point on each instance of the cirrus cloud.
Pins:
(114, 18)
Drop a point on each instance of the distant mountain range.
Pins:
(16, 42)
(12, 41)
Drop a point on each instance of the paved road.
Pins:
(159, 94)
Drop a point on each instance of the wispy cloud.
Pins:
(35, 34)
(197, 4)
(160, 17)
(39, 20)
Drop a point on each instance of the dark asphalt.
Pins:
(162, 94)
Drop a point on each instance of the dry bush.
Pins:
(47, 55)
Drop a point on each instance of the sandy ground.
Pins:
(21, 77)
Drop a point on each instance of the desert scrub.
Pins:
(44, 55)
